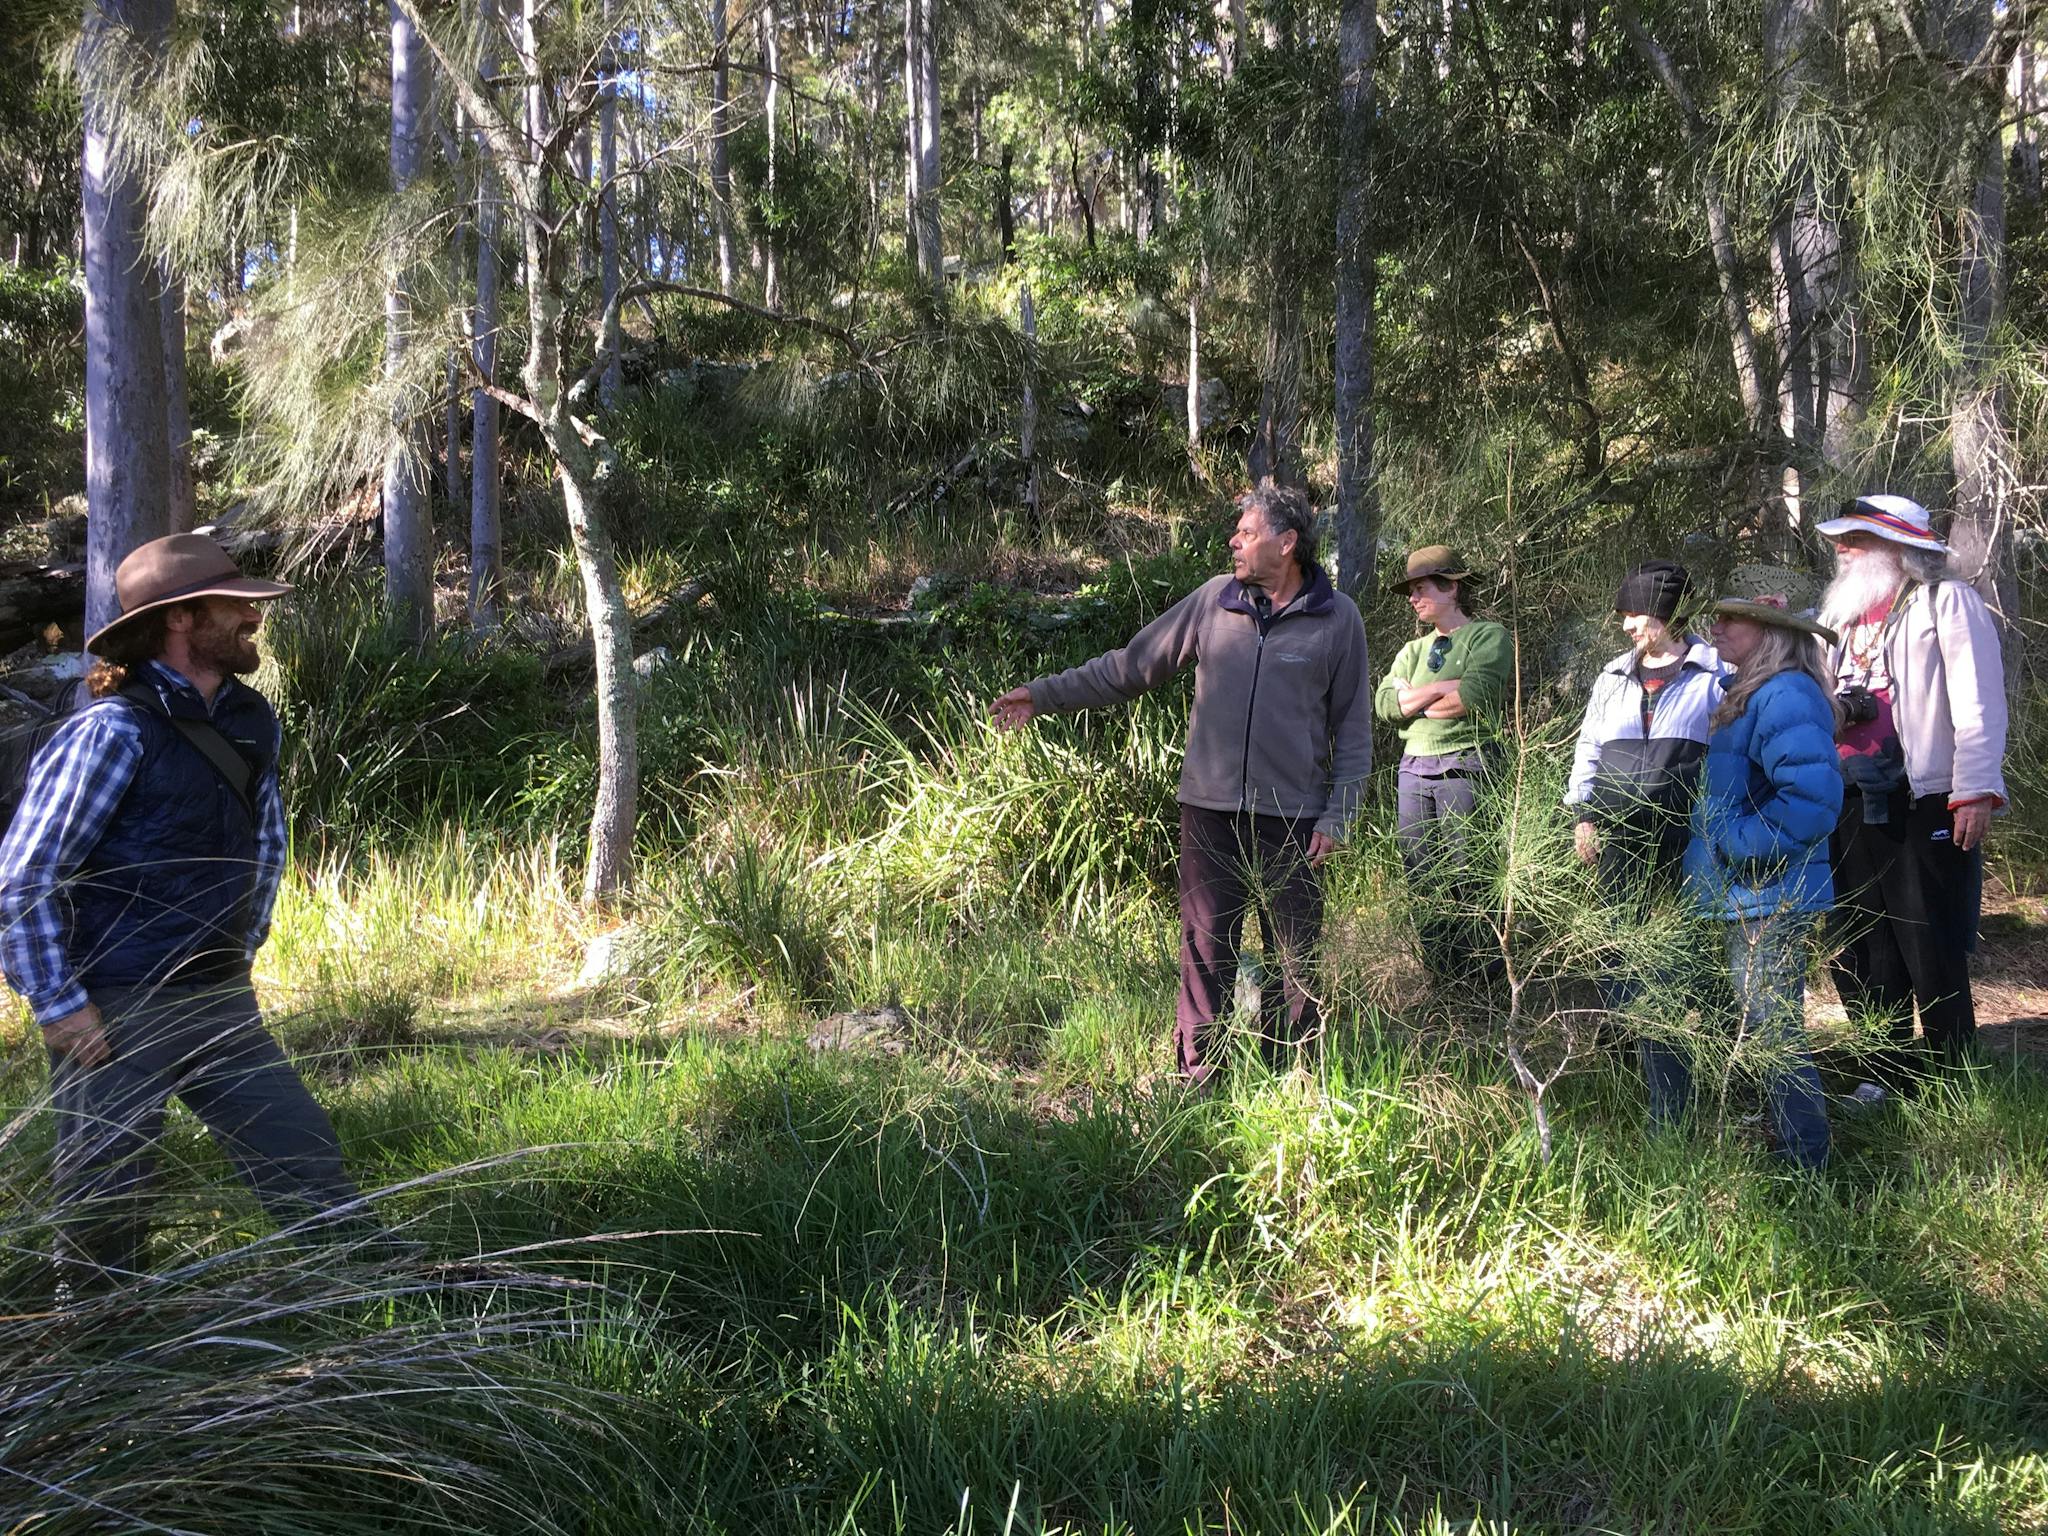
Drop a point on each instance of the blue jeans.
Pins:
(1766, 972)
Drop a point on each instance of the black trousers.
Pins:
(1907, 899)
(208, 1047)
(1231, 863)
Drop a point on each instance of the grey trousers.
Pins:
(208, 1047)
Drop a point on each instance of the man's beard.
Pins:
(1873, 577)
(228, 649)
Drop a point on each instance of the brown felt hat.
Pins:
(1431, 560)
(1770, 594)
(174, 570)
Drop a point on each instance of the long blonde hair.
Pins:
(1781, 649)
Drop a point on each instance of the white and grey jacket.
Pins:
(1948, 691)
(1618, 769)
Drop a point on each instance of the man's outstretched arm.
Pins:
(1154, 654)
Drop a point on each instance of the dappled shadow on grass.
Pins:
(863, 1284)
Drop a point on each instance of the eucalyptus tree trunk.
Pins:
(486, 559)
(127, 442)
(2024, 108)
(721, 142)
(408, 526)
(1194, 402)
(913, 158)
(577, 447)
(930, 246)
(608, 220)
(452, 482)
(184, 486)
(1027, 416)
(771, 66)
(1823, 369)
(1735, 302)
(1983, 449)
(1357, 506)
(1276, 441)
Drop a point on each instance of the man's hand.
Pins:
(1320, 846)
(1587, 842)
(1014, 710)
(1972, 822)
(78, 1037)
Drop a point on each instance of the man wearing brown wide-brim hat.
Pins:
(136, 885)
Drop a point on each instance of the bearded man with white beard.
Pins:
(1922, 688)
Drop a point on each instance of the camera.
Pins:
(1859, 705)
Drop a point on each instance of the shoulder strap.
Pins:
(227, 761)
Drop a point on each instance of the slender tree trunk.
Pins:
(486, 567)
(1195, 355)
(408, 525)
(931, 256)
(2024, 107)
(771, 63)
(1980, 432)
(1027, 424)
(453, 485)
(721, 143)
(1006, 214)
(608, 222)
(1735, 302)
(127, 444)
(1357, 505)
(184, 486)
(1276, 443)
(1823, 373)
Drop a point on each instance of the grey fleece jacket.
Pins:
(1282, 722)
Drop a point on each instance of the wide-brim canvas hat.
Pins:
(1438, 560)
(1770, 594)
(1897, 518)
(176, 569)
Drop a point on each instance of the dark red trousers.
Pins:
(1232, 863)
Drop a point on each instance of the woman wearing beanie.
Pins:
(1757, 865)
(1639, 752)
(1446, 690)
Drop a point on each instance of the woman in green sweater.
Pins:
(1445, 690)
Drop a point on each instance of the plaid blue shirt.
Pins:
(74, 790)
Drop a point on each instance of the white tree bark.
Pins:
(931, 253)
(184, 486)
(127, 444)
(408, 525)
(578, 450)
(1357, 504)
(608, 220)
(721, 142)
(486, 559)
(771, 64)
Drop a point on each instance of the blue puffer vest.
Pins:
(166, 893)
(1769, 796)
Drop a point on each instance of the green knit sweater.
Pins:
(1481, 661)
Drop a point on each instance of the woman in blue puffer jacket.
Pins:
(1757, 864)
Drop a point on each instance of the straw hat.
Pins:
(1770, 594)
(175, 570)
(1897, 518)
(1438, 560)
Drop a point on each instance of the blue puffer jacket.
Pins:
(1769, 796)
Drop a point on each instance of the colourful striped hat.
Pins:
(1898, 518)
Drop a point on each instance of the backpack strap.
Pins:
(226, 759)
